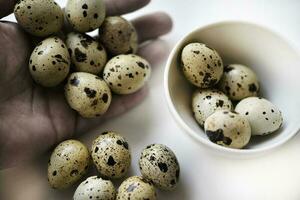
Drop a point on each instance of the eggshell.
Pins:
(239, 82)
(201, 65)
(118, 36)
(85, 15)
(39, 18)
(228, 129)
(159, 165)
(88, 94)
(206, 102)
(95, 188)
(136, 187)
(49, 62)
(264, 116)
(68, 163)
(126, 74)
(87, 54)
(111, 155)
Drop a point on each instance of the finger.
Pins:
(155, 51)
(6, 7)
(119, 105)
(120, 7)
(152, 26)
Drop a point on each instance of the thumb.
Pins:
(6, 7)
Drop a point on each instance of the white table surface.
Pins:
(204, 176)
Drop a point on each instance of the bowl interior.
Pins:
(276, 63)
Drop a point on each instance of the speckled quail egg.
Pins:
(85, 15)
(202, 65)
(49, 62)
(95, 188)
(125, 74)
(206, 102)
(159, 165)
(87, 54)
(68, 163)
(88, 94)
(264, 117)
(239, 82)
(228, 129)
(136, 188)
(39, 18)
(118, 36)
(111, 155)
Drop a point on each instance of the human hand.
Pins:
(32, 118)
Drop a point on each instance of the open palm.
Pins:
(32, 118)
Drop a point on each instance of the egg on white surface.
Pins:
(111, 155)
(228, 129)
(201, 65)
(159, 164)
(95, 188)
(206, 102)
(239, 82)
(136, 187)
(263, 116)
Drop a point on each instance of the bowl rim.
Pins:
(193, 133)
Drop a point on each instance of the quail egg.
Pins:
(87, 54)
(39, 18)
(239, 82)
(49, 62)
(202, 65)
(111, 155)
(125, 74)
(136, 188)
(118, 36)
(85, 15)
(88, 94)
(228, 129)
(206, 102)
(68, 163)
(159, 165)
(263, 116)
(95, 188)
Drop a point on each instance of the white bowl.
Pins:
(275, 61)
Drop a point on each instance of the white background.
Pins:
(204, 175)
